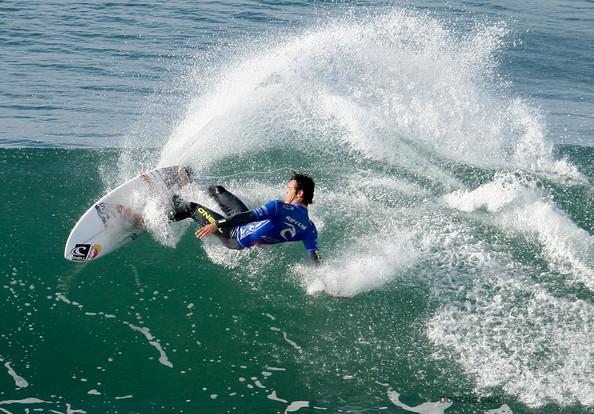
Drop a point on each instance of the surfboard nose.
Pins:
(116, 217)
(71, 251)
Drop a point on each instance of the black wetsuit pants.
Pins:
(229, 204)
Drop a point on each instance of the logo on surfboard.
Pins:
(82, 252)
(103, 213)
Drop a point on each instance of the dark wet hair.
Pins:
(306, 184)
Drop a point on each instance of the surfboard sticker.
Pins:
(103, 212)
(80, 252)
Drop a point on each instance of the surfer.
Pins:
(275, 222)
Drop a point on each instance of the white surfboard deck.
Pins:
(113, 220)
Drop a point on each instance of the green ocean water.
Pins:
(152, 329)
(454, 224)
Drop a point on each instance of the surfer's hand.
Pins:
(205, 231)
(183, 175)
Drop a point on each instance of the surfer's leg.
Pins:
(204, 216)
(227, 201)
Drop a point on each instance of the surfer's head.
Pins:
(300, 189)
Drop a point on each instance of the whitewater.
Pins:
(455, 231)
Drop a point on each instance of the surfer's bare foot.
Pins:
(128, 214)
(183, 175)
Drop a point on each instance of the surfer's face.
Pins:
(292, 194)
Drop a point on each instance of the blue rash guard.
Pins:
(278, 222)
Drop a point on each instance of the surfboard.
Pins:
(116, 218)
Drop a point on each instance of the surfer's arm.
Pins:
(184, 175)
(238, 219)
(311, 245)
(265, 212)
